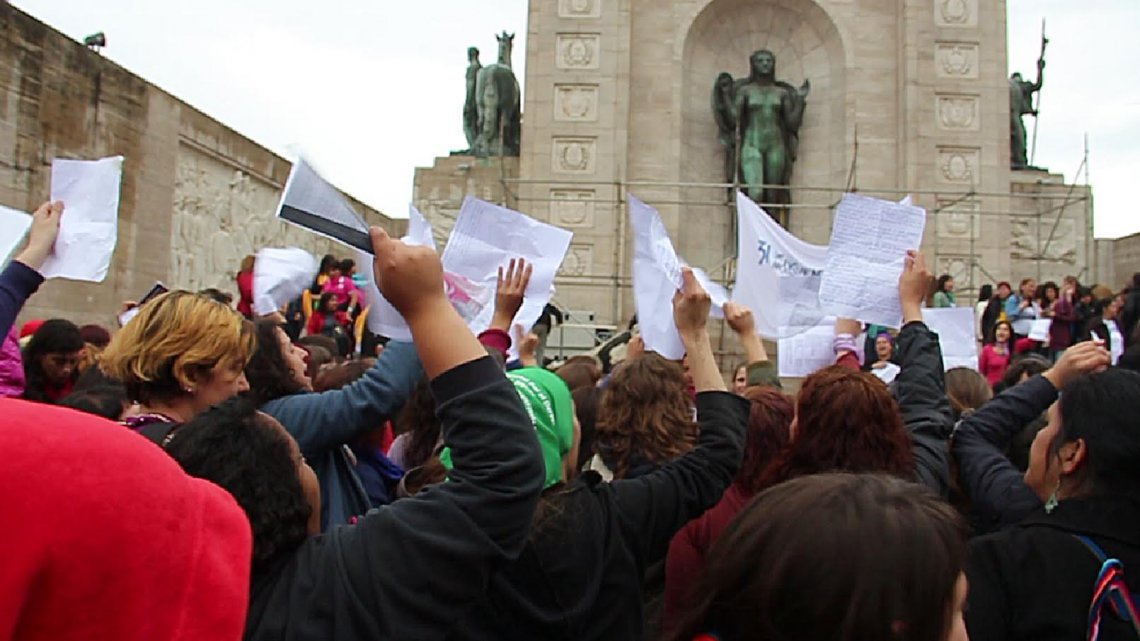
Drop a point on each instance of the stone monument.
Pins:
(1021, 104)
(759, 119)
(494, 99)
(907, 97)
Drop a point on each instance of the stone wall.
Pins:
(1125, 260)
(196, 195)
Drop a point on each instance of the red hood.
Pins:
(104, 537)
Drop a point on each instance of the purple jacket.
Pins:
(17, 283)
(11, 367)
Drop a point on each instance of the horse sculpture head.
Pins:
(506, 43)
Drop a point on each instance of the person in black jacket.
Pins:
(1036, 580)
(405, 570)
(580, 574)
(1000, 493)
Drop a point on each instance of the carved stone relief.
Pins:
(579, 8)
(220, 215)
(574, 155)
(958, 112)
(579, 261)
(956, 13)
(1026, 238)
(578, 50)
(958, 165)
(959, 219)
(572, 207)
(958, 267)
(958, 60)
(575, 103)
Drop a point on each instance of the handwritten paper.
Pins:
(486, 237)
(804, 351)
(887, 373)
(777, 274)
(955, 329)
(1039, 331)
(383, 319)
(89, 229)
(15, 224)
(312, 202)
(866, 256)
(280, 276)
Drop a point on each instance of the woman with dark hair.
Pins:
(328, 264)
(1106, 327)
(417, 429)
(51, 361)
(834, 556)
(645, 418)
(944, 292)
(996, 355)
(967, 390)
(996, 310)
(324, 423)
(1059, 305)
(769, 417)
(340, 285)
(1085, 467)
(984, 296)
(108, 401)
(1001, 493)
(586, 411)
(329, 320)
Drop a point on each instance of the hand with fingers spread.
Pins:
(1077, 361)
(914, 283)
(41, 238)
(510, 290)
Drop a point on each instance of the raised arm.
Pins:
(479, 519)
(761, 370)
(921, 386)
(21, 278)
(655, 506)
(995, 486)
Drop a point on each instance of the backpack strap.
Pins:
(1109, 589)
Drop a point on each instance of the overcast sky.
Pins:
(371, 90)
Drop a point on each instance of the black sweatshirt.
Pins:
(409, 569)
(580, 576)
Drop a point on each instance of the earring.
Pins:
(1054, 500)
(189, 390)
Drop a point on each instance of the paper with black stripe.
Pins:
(312, 202)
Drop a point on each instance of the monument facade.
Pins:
(906, 98)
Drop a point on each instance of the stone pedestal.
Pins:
(439, 190)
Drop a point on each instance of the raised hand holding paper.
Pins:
(656, 278)
(312, 202)
(88, 233)
(280, 276)
(383, 319)
(869, 241)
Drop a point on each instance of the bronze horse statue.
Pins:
(499, 103)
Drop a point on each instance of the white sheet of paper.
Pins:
(717, 292)
(887, 373)
(805, 350)
(1039, 331)
(865, 258)
(777, 274)
(15, 224)
(955, 329)
(485, 238)
(383, 319)
(89, 229)
(311, 202)
(656, 277)
(280, 276)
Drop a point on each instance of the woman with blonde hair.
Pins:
(645, 418)
(181, 355)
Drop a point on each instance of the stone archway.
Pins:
(808, 45)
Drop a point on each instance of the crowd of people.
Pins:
(206, 473)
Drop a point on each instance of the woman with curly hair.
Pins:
(645, 418)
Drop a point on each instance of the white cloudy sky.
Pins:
(370, 90)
